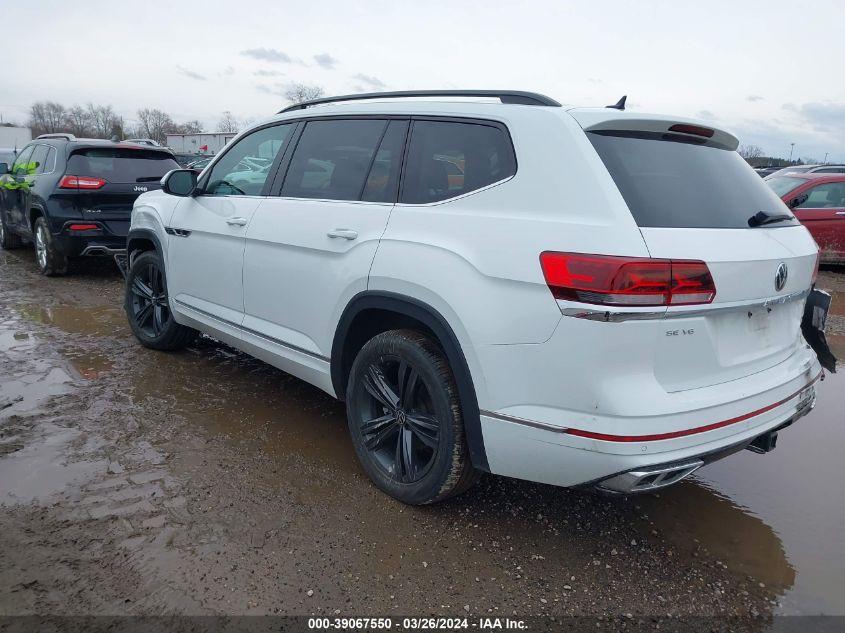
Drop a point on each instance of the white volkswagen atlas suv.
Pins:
(494, 283)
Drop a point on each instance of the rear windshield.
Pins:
(782, 185)
(121, 165)
(670, 183)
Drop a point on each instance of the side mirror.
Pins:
(4, 169)
(179, 182)
(798, 200)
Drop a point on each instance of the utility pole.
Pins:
(791, 147)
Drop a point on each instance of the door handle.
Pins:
(345, 234)
(236, 221)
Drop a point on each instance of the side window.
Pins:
(447, 159)
(824, 196)
(245, 167)
(830, 170)
(332, 159)
(39, 158)
(21, 166)
(383, 179)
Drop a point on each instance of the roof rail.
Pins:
(65, 135)
(506, 96)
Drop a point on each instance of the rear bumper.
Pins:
(585, 452)
(102, 242)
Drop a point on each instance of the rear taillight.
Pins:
(627, 281)
(81, 182)
(816, 267)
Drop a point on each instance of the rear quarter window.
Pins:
(675, 184)
(119, 165)
(448, 159)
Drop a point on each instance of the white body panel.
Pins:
(298, 279)
(277, 288)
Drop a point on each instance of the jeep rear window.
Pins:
(667, 182)
(121, 165)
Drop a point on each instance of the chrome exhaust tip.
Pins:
(649, 478)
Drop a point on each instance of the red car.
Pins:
(818, 201)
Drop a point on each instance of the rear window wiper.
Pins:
(763, 217)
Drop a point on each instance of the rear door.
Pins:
(692, 199)
(109, 179)
(823, 213)
(309, 249)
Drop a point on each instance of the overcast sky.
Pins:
(771, 71)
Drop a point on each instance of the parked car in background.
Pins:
(8, 155)
(73, 197)
(809, 169)
(143, 141)
(766, 171)
(818, 201)
(581, 297)
(185, 160)
(199, 165)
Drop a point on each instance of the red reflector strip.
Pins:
(699, 429)
(83, 227)
(697, 130)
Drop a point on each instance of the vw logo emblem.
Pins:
(780, 276)
(401, 417)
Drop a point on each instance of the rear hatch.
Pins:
(109, 179)
(692, 196)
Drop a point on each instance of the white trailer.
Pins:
(203, 143)
(14, 136)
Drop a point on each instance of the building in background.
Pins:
(14, 137)
(203, 143)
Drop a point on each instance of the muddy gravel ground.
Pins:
(206, 482)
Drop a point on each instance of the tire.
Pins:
(8, 240)
(424, 414)
(147, 307)
(51, 261)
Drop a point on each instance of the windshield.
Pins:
(119, 165)
(674, 183)
(782, 185)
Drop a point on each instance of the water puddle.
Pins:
(40, 471)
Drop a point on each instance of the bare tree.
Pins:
(750, 152)
(297, 92)
(228, 123)
(154, 124)
(47, 117)
(78, 122)
(104, 121)
(188, 127)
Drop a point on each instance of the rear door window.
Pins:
(332, 159)
(39, 158)
(669, 183)
(448, 159)
(119, 165)
(830, 195)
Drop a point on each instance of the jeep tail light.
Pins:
(816, 268)
(81, 182)
(627, 281)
